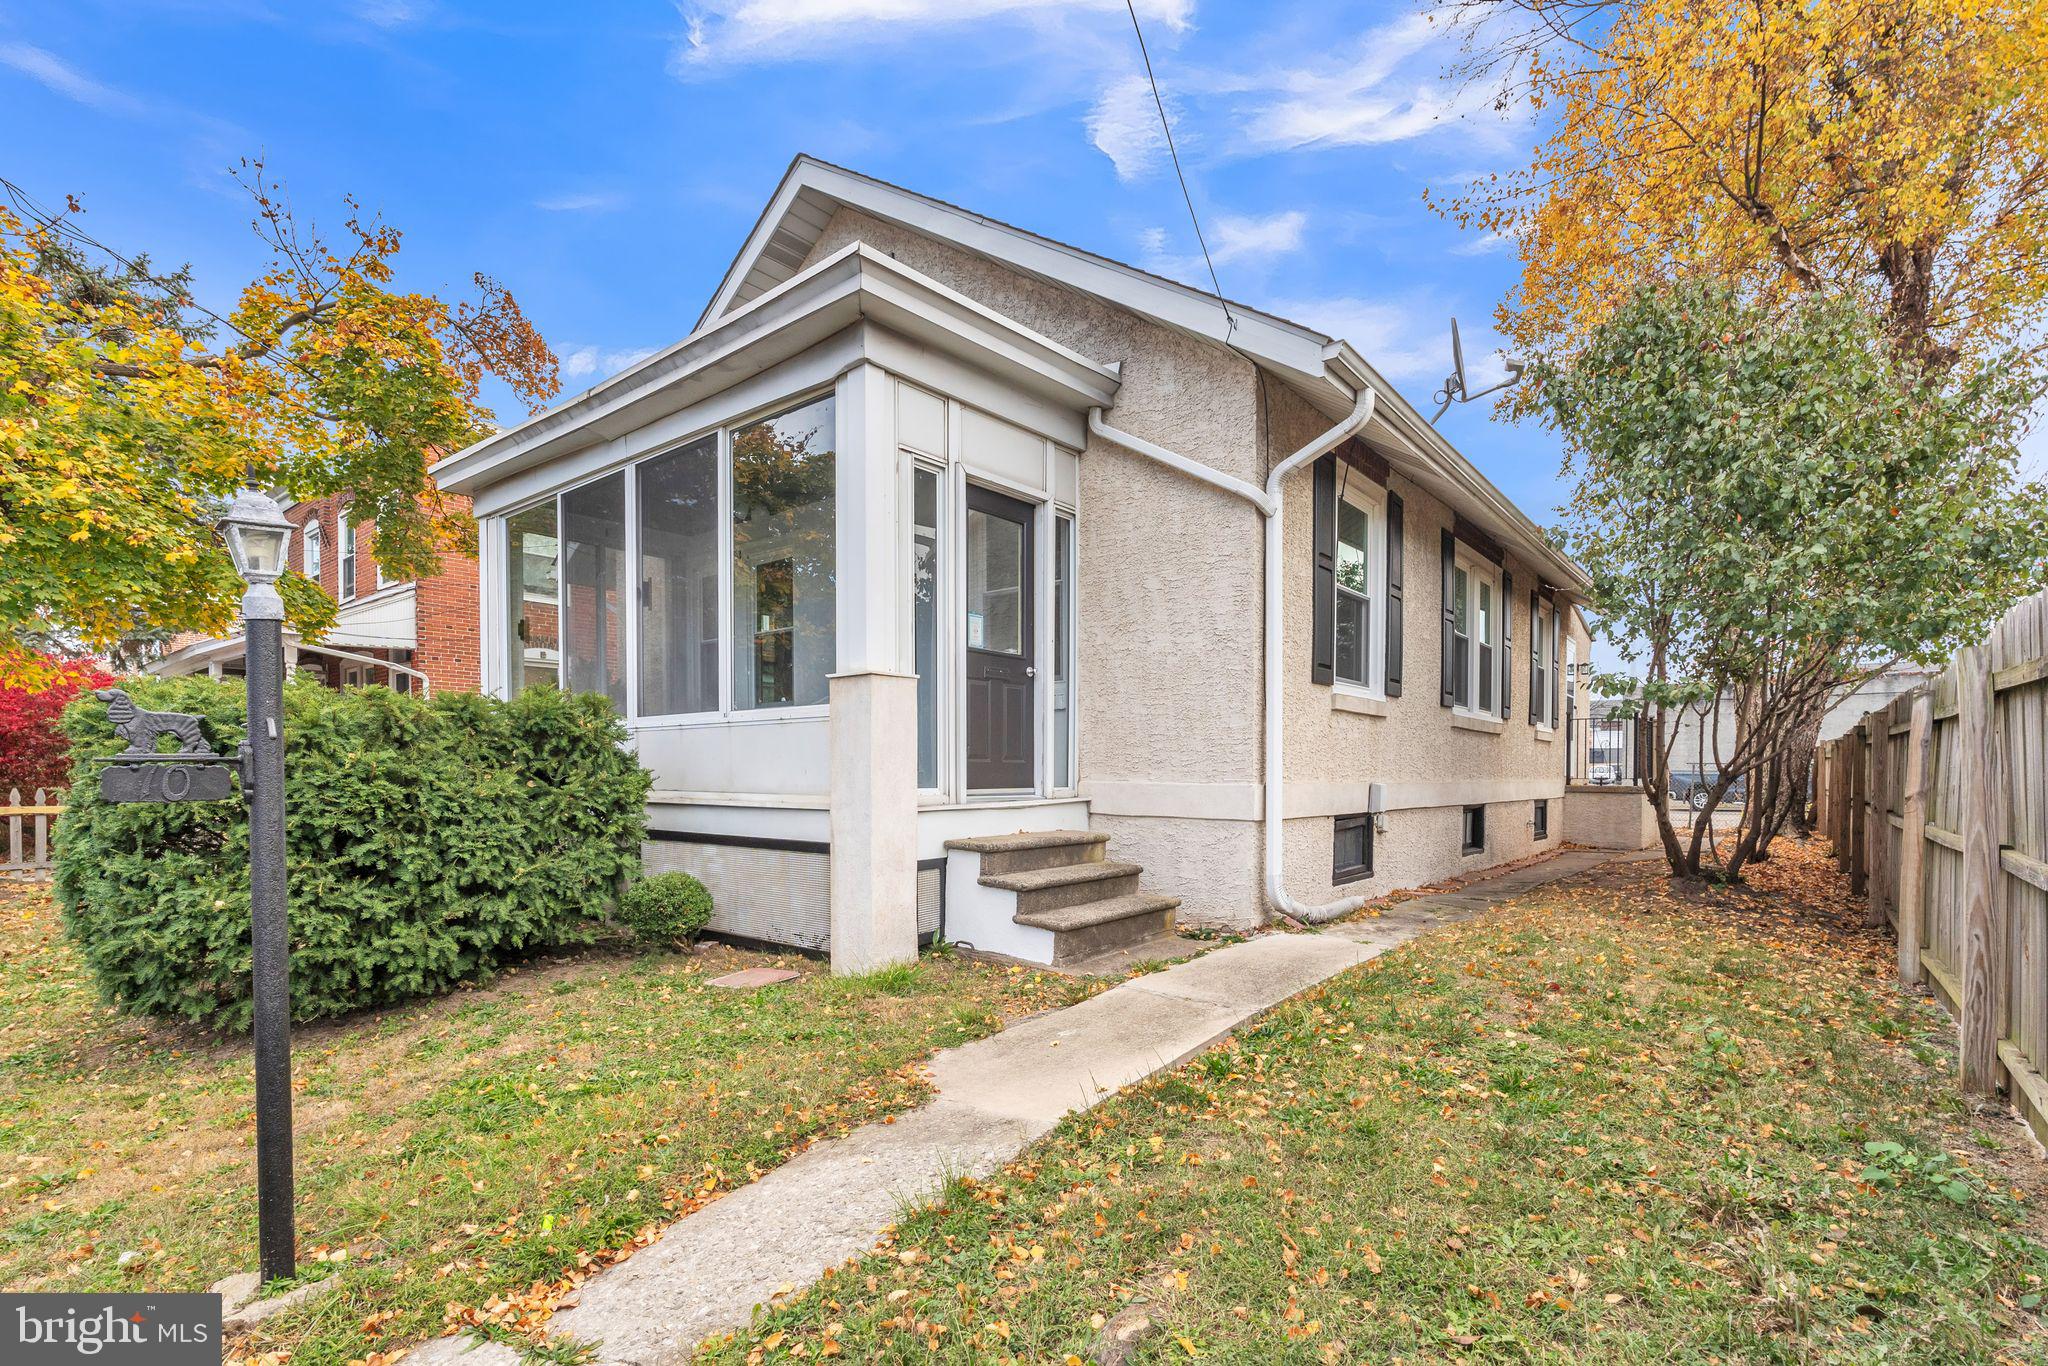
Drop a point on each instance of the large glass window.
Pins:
(924, 617)
(1475, 636)
(679, 611)
(783, 558)
(995, 583)
(532, 554)
(1354, 594)
(594, 589)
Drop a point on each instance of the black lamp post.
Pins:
(257, 534)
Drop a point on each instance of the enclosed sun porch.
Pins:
(822, 556)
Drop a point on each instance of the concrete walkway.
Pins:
(993, 1098)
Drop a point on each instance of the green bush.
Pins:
(429, 841)
(668, 909)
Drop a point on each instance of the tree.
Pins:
(33, 749)
(129, 416)
(1895, 153)
(1773, 503)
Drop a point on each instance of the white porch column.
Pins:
(873, 700)
(874, 820)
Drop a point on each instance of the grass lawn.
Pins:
(1604, 1123)
(465, 1158)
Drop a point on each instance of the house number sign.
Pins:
(190, 773)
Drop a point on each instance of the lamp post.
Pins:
(257, 534)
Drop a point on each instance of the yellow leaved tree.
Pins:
(129, 416)
(1891, 150)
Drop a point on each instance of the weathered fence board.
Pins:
(28, 833)
(1938, 809)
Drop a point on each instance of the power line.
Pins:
(1165, 126)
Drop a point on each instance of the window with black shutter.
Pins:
(1322, 647)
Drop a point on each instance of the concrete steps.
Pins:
(1063, 898)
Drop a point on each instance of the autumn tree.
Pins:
(1890, 151)
(1773, 503)
(129, 415)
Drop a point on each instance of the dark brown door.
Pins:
(1001, 643)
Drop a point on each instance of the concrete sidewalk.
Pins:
(993, 1098)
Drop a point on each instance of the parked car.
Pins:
(1695, 786)
(1603, 773)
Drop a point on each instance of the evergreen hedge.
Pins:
(429, 841)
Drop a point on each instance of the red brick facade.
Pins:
(444, 606)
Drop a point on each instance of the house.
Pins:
(404, 634)
(947, 571)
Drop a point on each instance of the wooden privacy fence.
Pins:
(28, 833)
(1938, 809)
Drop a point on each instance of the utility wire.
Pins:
(1215, 284)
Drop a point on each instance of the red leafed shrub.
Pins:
(33, 750)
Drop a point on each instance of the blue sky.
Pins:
(605, 160)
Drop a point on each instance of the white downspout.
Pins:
(1269, 503)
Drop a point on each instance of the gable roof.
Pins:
(1326, 371)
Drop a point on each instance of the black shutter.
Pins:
(1394, 557)
(1556, 649)
(1507, 645)
(1322, 655)
(1448, 669)
(1535, 662)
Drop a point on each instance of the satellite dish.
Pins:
(1454, 390)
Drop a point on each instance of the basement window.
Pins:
(1351, 856)
(1475, 830)
(1542, 822)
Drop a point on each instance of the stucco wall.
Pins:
(1609, 818)
(1332, 753)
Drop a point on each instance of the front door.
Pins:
(1001, 643)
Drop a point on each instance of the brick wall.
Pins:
(445, 605)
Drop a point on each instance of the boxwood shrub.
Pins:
(429, 841)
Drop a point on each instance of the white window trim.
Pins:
(345, 556)
(727, 714)
(1370, 498)
(1479, 569)
(311, 548)
(1541, 620)
(910, 463)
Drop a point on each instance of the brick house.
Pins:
(406, 634)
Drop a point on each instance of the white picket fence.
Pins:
(28, 834)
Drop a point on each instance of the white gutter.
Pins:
(1269, 503)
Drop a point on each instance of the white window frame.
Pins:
(1369, 498)
(310, 546)
(1539, 646)
(345, 558)
(911, 462)
(1478, 569)
(727, 713)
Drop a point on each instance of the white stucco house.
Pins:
(947, 572)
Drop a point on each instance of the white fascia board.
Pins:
(851, 284)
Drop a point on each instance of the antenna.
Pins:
(1454, 390)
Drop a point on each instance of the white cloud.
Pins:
(388, 13)
(1232, 238)
(57, 75)
(603, 201)
(1486, 244)
(1408, 339)
(600, 362)
(1393, 91)
(1124, 126)
(776, 30)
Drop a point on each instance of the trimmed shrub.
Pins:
(429, 842)
(668, 909)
